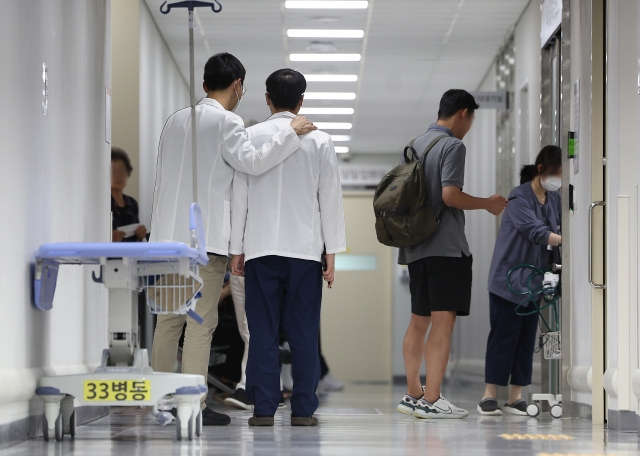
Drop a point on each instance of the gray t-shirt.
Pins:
(444, 166)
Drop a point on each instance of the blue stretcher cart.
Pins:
(169, 274)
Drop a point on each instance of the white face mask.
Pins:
(237, 104)
(552, 184)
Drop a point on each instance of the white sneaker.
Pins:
(328, 384)
(442, 409)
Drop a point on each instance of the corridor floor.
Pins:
(360, 421)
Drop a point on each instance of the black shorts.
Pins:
(440, 284)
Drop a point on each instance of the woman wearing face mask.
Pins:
(529, 234)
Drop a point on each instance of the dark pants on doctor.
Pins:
(283, 292)
(511, 344)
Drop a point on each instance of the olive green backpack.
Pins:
(401, 203)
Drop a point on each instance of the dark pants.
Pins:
(283, 292)
(324, 368)
(511, 344)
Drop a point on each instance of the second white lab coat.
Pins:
(295, 209)
(223, 146)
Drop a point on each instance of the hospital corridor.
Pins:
(333, 227)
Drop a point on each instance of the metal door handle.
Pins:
(597, 286)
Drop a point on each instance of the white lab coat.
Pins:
(295, 209)
(223, 144)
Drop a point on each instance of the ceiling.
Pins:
(412, 51)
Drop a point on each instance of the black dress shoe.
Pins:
(211, 418)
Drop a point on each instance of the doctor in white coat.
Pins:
(283, 220)
(223, 146)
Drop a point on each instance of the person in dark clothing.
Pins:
(529, 234)
(123, 207)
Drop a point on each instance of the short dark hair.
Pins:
(453, 101)
(221, 70)
(285, 88)
(550, 158)
(118, 154)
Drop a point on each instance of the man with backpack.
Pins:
(440, 265)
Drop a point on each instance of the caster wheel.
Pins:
(190, 431)
(59, 429)
(192, 427)
(199, 424)
(72, 425)
(533, 410)
(57, 434)
(556, 411)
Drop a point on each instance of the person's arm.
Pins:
(330, 201)
(239, 207)
(452, 181)
(524, 219)
(240, 153)
(454, 197)
(331, 209)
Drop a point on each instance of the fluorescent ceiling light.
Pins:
(327, 4)
(333, 125)
(325, 57)
(340, 138)
(337, 111)
(329, 96)
(341, 150)
(307, 33)
(331, 77)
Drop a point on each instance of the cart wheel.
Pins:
(190, 431)
(533, 410)
(192, 427)
(199, 424)
(45, 429)
(556, 411)
(59, 429)
(72, 425)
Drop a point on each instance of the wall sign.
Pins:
(357, 176)
(492, 100)
(551, 19)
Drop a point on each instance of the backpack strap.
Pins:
(430, 146)
(414, 154)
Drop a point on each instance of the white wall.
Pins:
(581, 309)
(527, 42)
(622, 179)
(162, 92)
(54, 186)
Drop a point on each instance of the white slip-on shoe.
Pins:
(489, 407)
(518, 408)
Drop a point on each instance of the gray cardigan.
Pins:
(522, 239)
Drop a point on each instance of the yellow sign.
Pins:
(117, 390)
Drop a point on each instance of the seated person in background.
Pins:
(282, 221)
(123, 207)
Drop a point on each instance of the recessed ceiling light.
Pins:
(310, 33)
(333, 125)
(336, 111)
(340, 138)
(327, 4)
(341, 150)
(331, 77)
(325, 57)
(330, 96)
